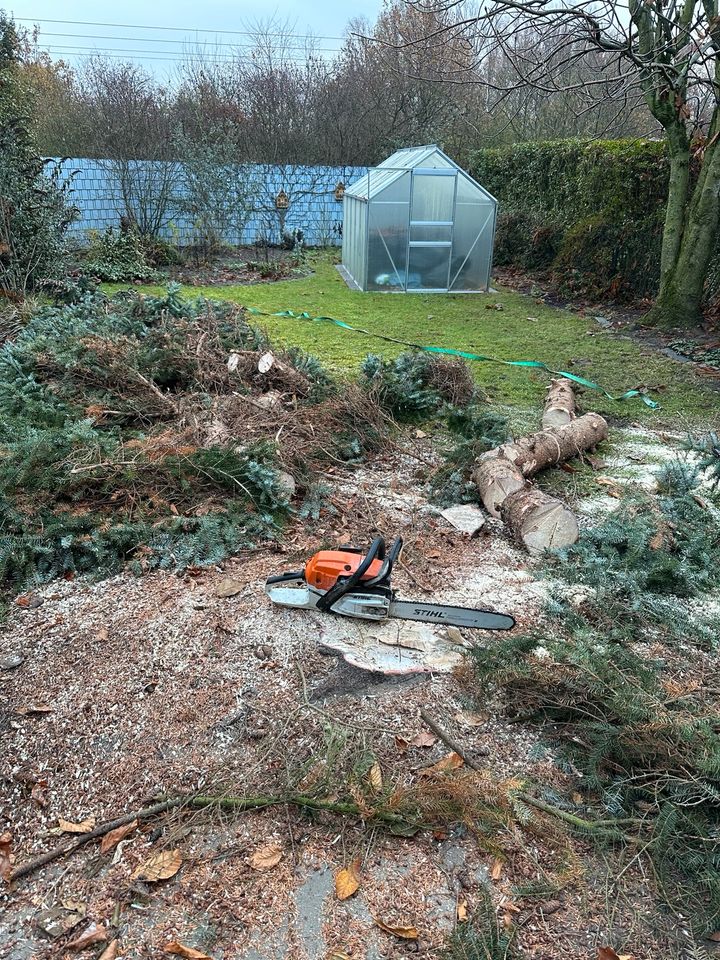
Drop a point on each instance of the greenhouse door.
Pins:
(432, 205)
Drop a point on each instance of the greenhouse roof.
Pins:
(398, 163)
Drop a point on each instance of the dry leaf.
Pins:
(95, 933)
(374, 778)
(462, 911)
(180, 950)
(110, 951)
(450, 761)
(614, 490)
(33, 708)
(607, 953)
(5, 856)
(714, 936)
(347, 880)
(233, 361)
(67, 826)
(424, 739)
(471, 719)
(405, 933)
(161, 866)
(228, 588)
(496, 869)
(267, 857)
(113, 838)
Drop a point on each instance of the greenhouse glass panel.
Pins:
(418, 222)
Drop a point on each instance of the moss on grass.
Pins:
(561, 339)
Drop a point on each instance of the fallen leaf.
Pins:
(29, 601)
(614, 490)
(228, 588)
(405, 933)
(347, 880)
(113, 838)
(401, 743)
(85, 826)
(339, 955)
(550, 906)
(267, 857)
(180, 950)
(374, 778)
(233, 361)
(607, 953)
(424, 739)
(714, 936)
(471, 719)
(95, 933)
(161, 866)
(462, 911)
(110, 951)
(450, 761)
(37, 794)
(6, 856)
(497, 868)
(34, 708)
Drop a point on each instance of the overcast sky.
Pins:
(156, 48)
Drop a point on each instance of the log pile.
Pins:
(537, 520)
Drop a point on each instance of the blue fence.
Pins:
(156, 194)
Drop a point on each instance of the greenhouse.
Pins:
(418, 222)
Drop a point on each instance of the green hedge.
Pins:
(589, 213)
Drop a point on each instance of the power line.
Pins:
(161, 56)
(69, 48)
(234, 46)
(140, 26)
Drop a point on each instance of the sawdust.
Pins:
(157, 685)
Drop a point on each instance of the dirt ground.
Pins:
(134, 689)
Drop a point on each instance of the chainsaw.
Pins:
(353, 583)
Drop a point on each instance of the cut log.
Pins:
(496, 478)
(548, 448)
(559, 404)
(538, 521)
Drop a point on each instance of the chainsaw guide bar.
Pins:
(352, 583)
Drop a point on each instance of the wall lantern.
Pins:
(282, 201)
(339, 191)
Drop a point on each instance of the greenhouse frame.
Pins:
(418, 223)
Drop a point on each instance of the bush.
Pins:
(117, 257)
(417, 384)
(591, 212)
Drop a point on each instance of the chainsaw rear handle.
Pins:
(376, 551)
(388, 564)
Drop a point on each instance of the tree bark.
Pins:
(682, 284)
(538, 521)
(559, 404)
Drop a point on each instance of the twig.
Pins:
(236, 804)
(593, 826)
(448, 741)
(63, 849)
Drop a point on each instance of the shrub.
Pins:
(590, 211)
(116, 257)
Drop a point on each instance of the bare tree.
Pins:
(132, 134)
(658, 52)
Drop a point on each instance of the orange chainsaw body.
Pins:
(323, 569)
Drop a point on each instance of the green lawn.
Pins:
(561, 339)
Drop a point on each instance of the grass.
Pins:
(561, 339)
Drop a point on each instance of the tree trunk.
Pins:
(559, 404)
(678, 190)
(679, 300)
(538, 521)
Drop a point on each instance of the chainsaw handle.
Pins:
(377, 548)
(388, 563)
